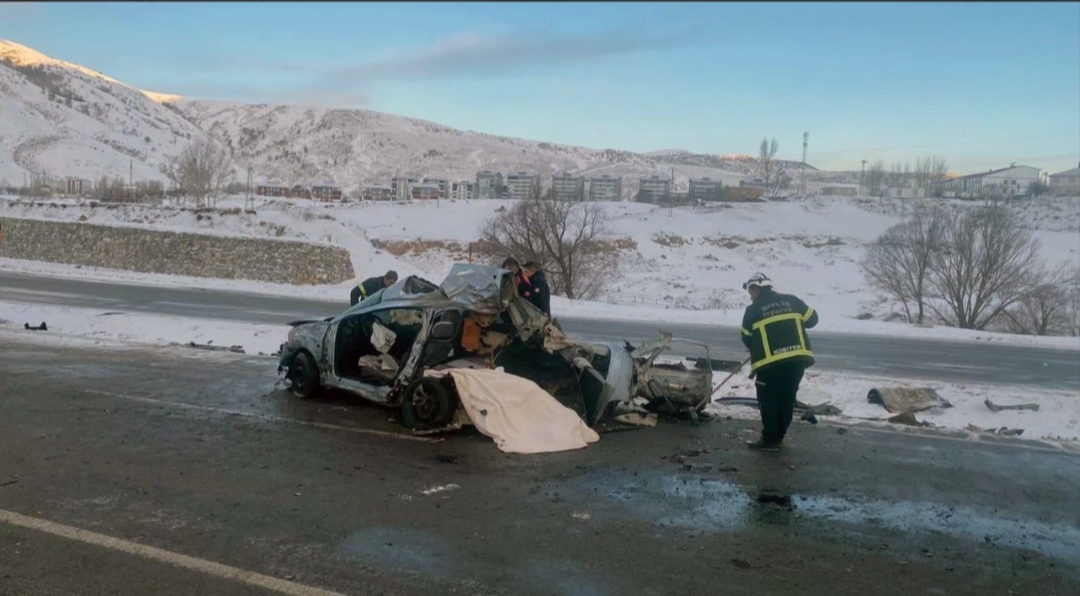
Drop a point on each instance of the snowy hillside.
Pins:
(65, 120)
(687, 263)
(59, 119)
(288, 144)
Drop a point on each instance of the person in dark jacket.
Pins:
(774, 330)
(371, 285)
(536, 287)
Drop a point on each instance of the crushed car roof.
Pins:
(478, 288)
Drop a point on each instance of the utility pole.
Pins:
(131, 173)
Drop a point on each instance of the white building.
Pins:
(1065, 183)
(904, 192)
(1013, 181)
(568, 188)
(705, 189)
(489, 185)
(462, 191)
(605, 188)
(654, 189)
(401, 188)
(521, 186)
(442, 183)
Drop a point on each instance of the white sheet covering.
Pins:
(517, 413)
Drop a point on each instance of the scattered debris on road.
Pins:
(638, 419)
(908, 419)
(904, 399)
(1003, 431)
(439, 489)
(209, 346)
(41, 327)
(9, 482)
(996, 408)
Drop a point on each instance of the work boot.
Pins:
(760, 445)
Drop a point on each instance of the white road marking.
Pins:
(363, 431)
(156, 554)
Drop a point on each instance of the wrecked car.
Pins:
(380, 348)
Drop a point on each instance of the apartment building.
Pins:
(522, 186)
(654, 190)
(462, 191)
(424, 192)
(568, 188)
(705, 189)
(377, 192)
(605, 188)
(489, 185)
(442, 183)
(401, 187)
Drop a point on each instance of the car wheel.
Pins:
(304, 376)
(428, 403)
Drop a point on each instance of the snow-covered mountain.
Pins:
(61, 119)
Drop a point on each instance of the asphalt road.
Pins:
(891, 356)
(107, 454)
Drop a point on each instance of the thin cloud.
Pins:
(22, 10)
(480, 55)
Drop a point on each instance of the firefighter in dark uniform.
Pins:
(774, 330)
(536, 287)
(371, 285)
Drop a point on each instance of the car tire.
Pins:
(304, 375)
(428, 403)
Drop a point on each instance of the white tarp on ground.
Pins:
(517, 413)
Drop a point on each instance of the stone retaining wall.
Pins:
(174, 253)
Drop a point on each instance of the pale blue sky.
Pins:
(981, 84)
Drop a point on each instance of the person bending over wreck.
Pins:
(371, 285)
(774, 330)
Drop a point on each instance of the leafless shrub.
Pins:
(988, 264)
(202, 170)
(875, 178)
(1045, 309)
(899, 262)
(930, 174)
(767, 162)
(565, 237)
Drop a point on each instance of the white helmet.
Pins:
(757, 280)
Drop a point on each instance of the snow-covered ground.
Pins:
(143, 329)
(1058, 418)
(679, 265)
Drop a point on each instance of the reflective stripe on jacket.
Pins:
(774, 329)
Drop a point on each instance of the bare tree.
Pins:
(565, 237)
(988, 264)
(898, 175)
(930, 173)
(767, 161)
(1045, 308)
(899, 262)
(1073, 303)
(201, 170)
(875, 178)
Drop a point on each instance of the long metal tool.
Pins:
(728, 378)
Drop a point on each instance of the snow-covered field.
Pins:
(681, 265)
(142, 329)
(1058, 418)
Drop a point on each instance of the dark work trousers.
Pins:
(776, 390)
